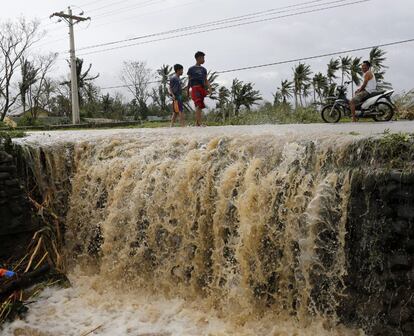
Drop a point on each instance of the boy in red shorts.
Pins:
(198, 82)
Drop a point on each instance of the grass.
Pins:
(12, 134)
(44, 249)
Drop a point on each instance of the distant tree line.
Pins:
(304, 88)
(26, 84)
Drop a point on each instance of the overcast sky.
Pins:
(370, 23)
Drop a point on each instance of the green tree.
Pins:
(301, 78)
(28, 78)
(356, 73)
(333, 67)
(160, 94)
(346, 62)
(286, 90)
(212, 78)
(306, 91)
(320, 85)
(377, 59)
(223, 101)
(83, 78)
(277, 98)
(243, 94)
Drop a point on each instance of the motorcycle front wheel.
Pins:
(331, 114)
(385, 110)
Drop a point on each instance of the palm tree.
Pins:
(277, 98)
(306, 90)
(320, 85)
(243, 94)
(356, 73)
(212, 77)
(333, 67)
(29, 77)
(160, 95)
(82, 78)
(377, 59)
(286, 90)
(223, 100)
(301, 77)
(346, 62)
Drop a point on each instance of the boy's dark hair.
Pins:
(199, 54)
(368, 63)
(178, 67)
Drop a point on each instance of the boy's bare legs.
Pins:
(198, 116)
(182, 119)
(173, 118)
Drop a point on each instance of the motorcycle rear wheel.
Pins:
(386, 110)
(331, 115)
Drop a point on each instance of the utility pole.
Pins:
(72, 20)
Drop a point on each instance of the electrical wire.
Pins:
(221, 21)
(227, 27)
(294, 60)
(217, 22)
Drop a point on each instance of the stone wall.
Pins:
(15, 223)
(380, 254)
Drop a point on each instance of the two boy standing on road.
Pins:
(198, 84)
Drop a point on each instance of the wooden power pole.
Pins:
(72, 20)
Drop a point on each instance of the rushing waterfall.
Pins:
(243, 224)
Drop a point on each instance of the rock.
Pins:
(406, 211)
(408, 328)
(384, 330)
(4, 176)
(409, 246)
(7, 168)
(16, 210)
(399, 262)
(14, 192)
(4, 157)
(12, 183)
(399, 315)
(396, 175)
(400, 226)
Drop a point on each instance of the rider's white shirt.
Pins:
(372, 84)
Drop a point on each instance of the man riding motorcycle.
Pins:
(368, 86)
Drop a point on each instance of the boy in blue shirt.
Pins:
(176, 92)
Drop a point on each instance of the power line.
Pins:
(129, 8)
(111, 13)
(126, 86)
(147, 13)
(228, 26)
(295, 60)
(211, 23)
(92, 3)
(216, 22)
(199, 25)
(317, 56)
(108, 5)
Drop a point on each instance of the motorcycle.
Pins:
(377, 105)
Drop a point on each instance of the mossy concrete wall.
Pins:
(380, 254)
(15, 215)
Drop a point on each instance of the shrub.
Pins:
(405, 105)
(28, 120)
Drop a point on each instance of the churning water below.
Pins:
(215, 231)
